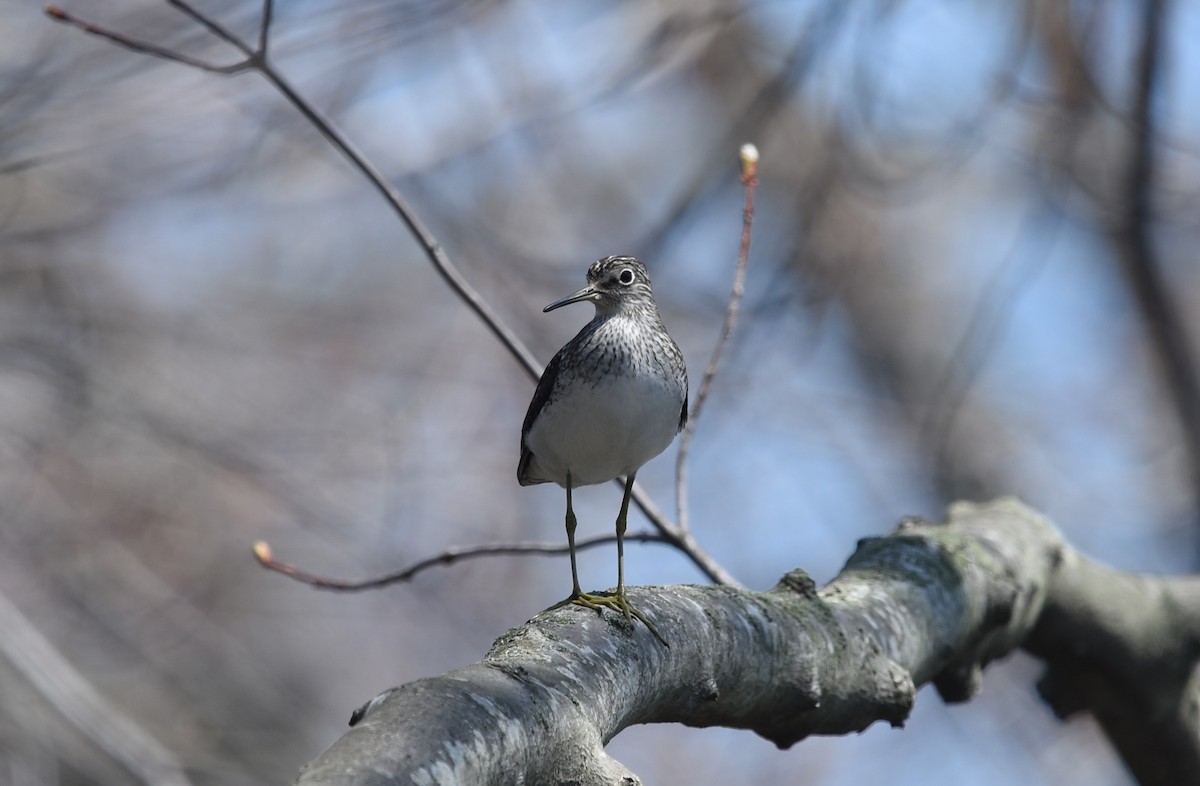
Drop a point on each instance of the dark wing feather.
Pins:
(683, 414)
(540, 396)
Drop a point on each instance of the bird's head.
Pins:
(614, 284)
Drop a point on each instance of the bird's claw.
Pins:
(617, 601)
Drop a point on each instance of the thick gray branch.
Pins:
(1125, 648)
(928, 603)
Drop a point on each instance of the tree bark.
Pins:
(1125, 648)
(929, 603)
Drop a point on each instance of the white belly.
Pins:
(605, 430)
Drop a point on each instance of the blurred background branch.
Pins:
(1133, 219)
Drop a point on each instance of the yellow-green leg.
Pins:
(571, 524)
(617, 601)
(622, 520)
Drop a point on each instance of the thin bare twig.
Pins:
(262, 553)
(143, 47)
(219, 30)
(257, 61)
(749, 159)
(264, 28)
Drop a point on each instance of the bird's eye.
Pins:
(626, 277)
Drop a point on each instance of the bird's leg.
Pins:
(622, 520)
(617, 601)
(571, 524)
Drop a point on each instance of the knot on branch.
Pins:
(799, 582)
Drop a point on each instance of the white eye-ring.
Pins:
(626, 277)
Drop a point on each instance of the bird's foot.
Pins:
(617, 601)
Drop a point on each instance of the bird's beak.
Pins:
(587, 293)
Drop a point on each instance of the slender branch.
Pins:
(265, 28)
(262, 553)
(257, 61)
(220, 31)
(749, 160)
(433, 249)
(142, 47)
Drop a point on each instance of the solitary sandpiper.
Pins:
(611, 399)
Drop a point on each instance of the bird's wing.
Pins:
(540, 396)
